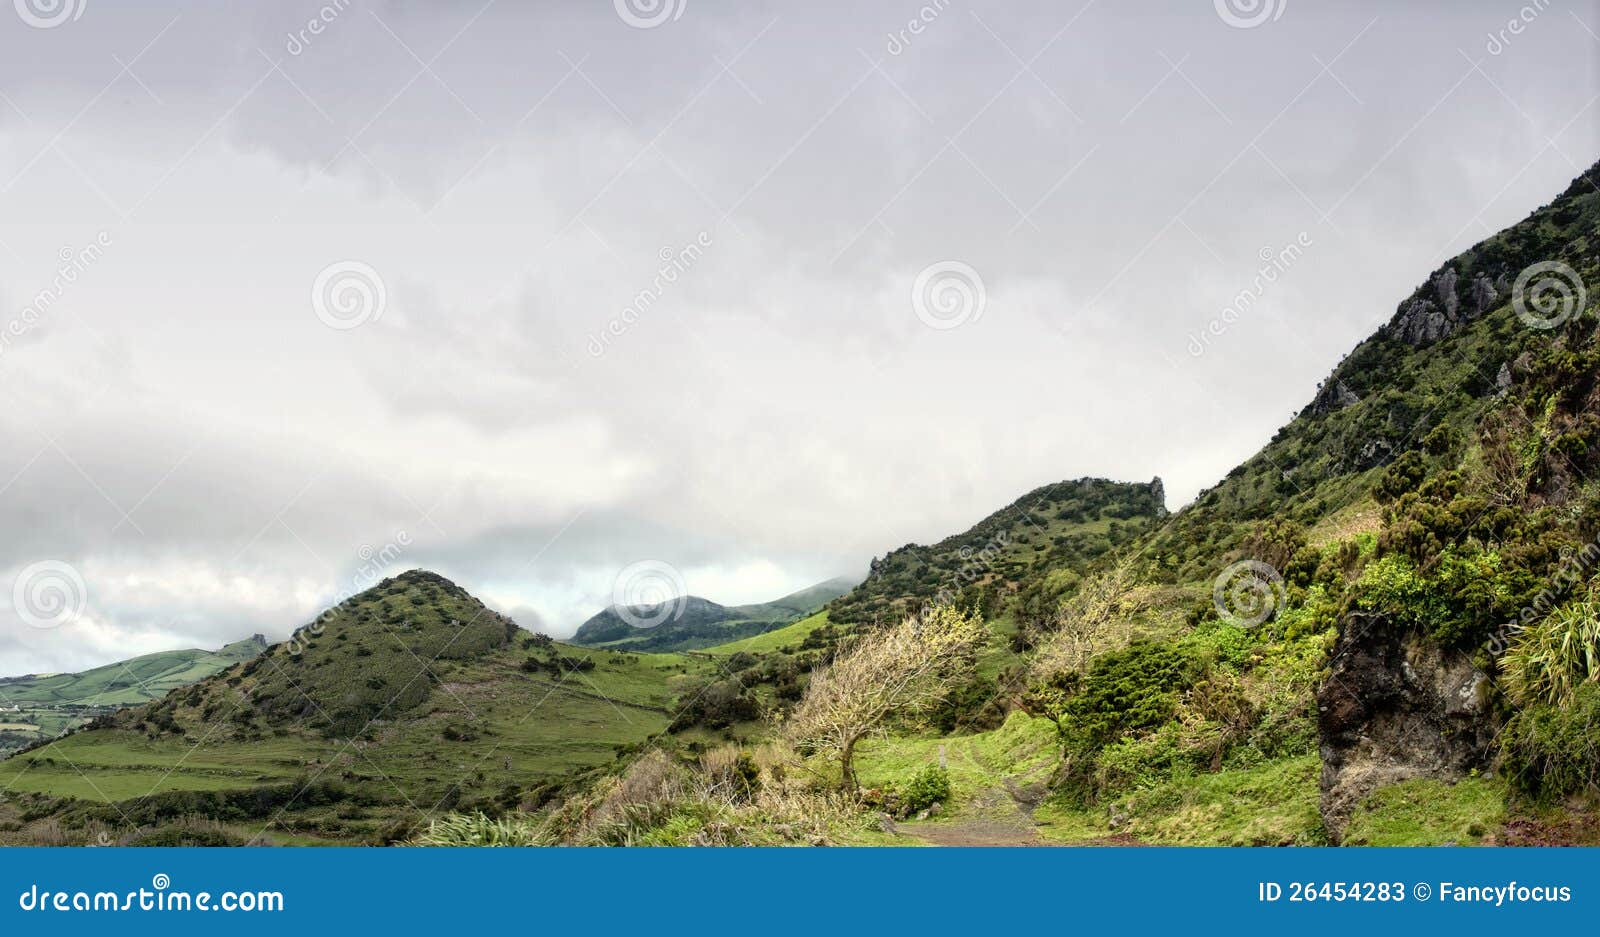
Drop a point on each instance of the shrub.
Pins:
(1552, 659)
(1133, 689)
(1554, 751)
(478, 830)
(929, 786)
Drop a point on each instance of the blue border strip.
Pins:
(800, 891)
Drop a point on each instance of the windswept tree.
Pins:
(885, 676)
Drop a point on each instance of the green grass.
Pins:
(1427, 812)
(127, 683)
(512, 728)
(1023, 751)
(510, 713)
(787, 637)
(1269, 805)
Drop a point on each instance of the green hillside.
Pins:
(37, 707)
(137, 680)
(1020, 559)
(789, 637)
(406, 699)
(690, 622)
(1381, 629)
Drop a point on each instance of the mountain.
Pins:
(43, 705)
(1024, 556)
(411, 696)
(690, 622)
(1383, 629)
(1386, 620)
(136, 680)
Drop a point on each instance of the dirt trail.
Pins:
(1002, 815)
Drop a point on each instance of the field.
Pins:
(48, 705)
(125, 683)
(788, 637)
(487, 727)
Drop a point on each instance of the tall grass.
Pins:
(1553, 658)
(475, 829)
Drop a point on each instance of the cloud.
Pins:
(735, 207)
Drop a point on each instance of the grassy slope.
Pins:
(786, 638)
(1153, 782)
(703, 624)
(1034, 546)
(128, 682)
(485, 724)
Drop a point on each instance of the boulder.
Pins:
(1396, 706)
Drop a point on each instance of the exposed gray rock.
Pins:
(1436, 310)
(1444, 290)
(1333, 395)
(1374, 452)
(1396, 706)
(1503, 379)
(1484, 295)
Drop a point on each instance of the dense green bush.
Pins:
(1554, 751)
(1126, 691)
(927, 787)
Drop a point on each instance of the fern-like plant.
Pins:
(1553, 658)
(475, 829)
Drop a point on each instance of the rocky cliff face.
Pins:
(1394, 707)
(1443, 305)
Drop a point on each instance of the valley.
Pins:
(1379, 630)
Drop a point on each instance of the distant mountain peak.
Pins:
(693, 622)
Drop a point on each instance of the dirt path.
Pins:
(1002, 815)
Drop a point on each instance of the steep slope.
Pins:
(690, 622)
(1422, 382)
(1399, 586)
(1022, 558)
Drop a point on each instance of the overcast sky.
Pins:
(277, 300)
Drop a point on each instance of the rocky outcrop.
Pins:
(1396, 706)
(1437, 309)
(1334, 394)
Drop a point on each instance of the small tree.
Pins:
(886, 675)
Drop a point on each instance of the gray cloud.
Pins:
(214, 460)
